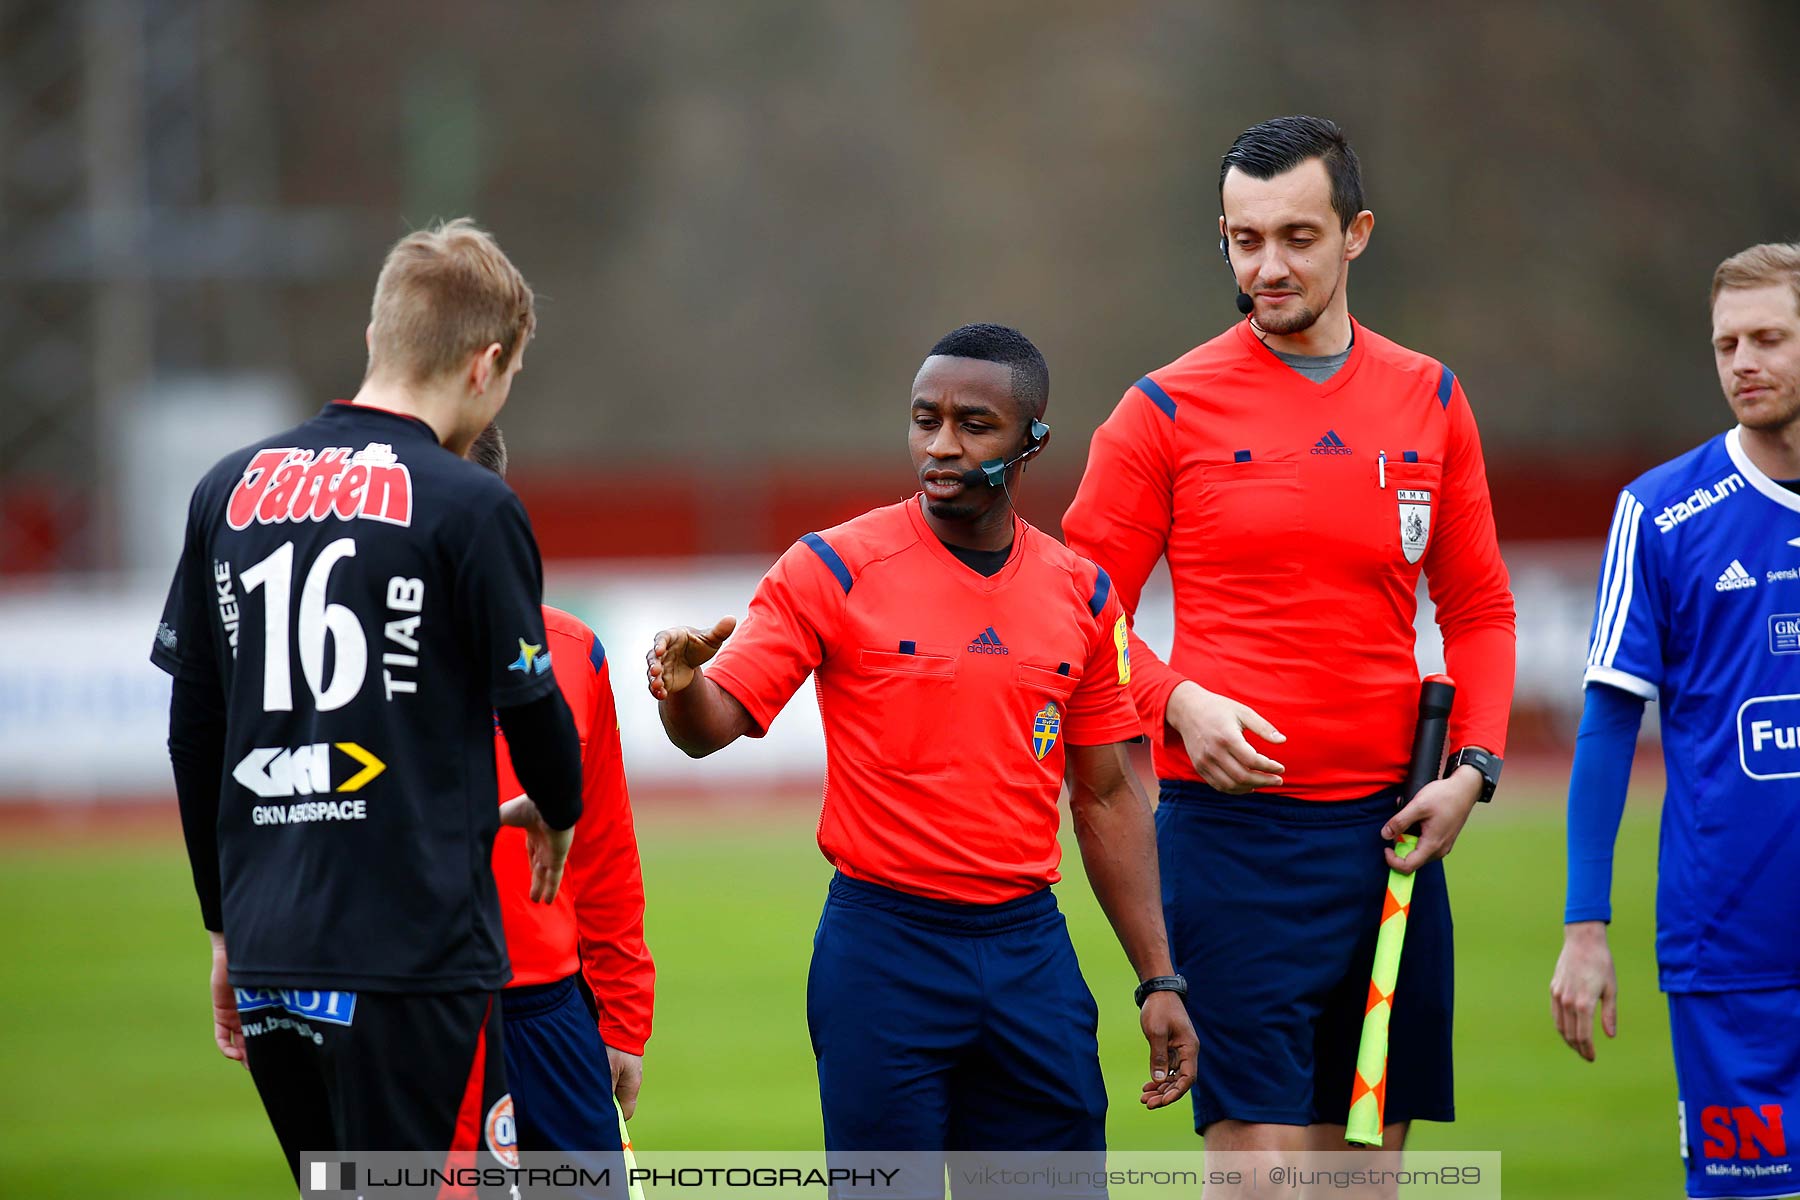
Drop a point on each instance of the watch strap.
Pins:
(1160, 983)
(1487, 764)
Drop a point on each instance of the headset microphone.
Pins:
(993, 471)
(1245, 304)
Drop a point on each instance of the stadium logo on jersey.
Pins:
(1331, 443)
(1784, 633)
(1122, 645)
(1735, 578)
(276, 772)
(988, 643)
(503, 1132)
(1769, 737)
(333, 1008)
(1697, 502)
(533, 659)
(1415, 522)
(1044, 729)
(288, 483)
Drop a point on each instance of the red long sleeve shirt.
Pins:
(1296, 517)
(596, 923)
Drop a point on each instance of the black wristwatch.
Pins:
(1488, 764)
(1159, 983)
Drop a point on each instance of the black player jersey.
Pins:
(364, 599)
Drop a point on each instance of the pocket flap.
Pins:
(1054, 682)
(908, 664)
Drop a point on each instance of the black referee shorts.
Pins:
(1273, 906)
(343, 1072)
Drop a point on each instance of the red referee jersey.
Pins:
(947, 697)
(1296, 518)
(596, 923)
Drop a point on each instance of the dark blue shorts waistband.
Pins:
(1280, 810)
(531, 999)
(944, 914)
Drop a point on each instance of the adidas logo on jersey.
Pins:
(1331, 443)
(1735, 577)
(988, 643)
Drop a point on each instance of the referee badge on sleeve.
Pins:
(1415, 522)
(1044, 729)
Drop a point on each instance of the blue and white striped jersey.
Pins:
(1699, 609)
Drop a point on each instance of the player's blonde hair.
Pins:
(1771, 263)
(446, 293)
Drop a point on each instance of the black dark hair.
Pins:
(489, 450)
(1266, 150)
(1009, 347)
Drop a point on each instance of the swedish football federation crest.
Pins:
(1045, 728)
(1415, 522)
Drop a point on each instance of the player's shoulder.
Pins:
(1087, 582)
(571, 640)
(230, 469)
(852, 546)
(1707, 467)
(1423, 374)
(1193, 374)
(383, 465)
(567, 628)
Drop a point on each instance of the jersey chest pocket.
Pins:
(1043, 713)
(1249, 518)
(1057, 684)
(884, 662)
(905, 718)
(1405, 525)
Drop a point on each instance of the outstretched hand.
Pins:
(676, 655)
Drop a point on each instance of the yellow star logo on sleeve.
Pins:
(533, 659)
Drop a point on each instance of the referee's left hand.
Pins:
(1173, 1049)
(627, 1078)
(1439, 810)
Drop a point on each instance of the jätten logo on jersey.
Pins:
(1697, 502)
(287, 483)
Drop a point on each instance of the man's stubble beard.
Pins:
(1301, 321)
(949, 510)
(1786, 418)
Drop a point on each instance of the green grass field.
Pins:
(110, 1085)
